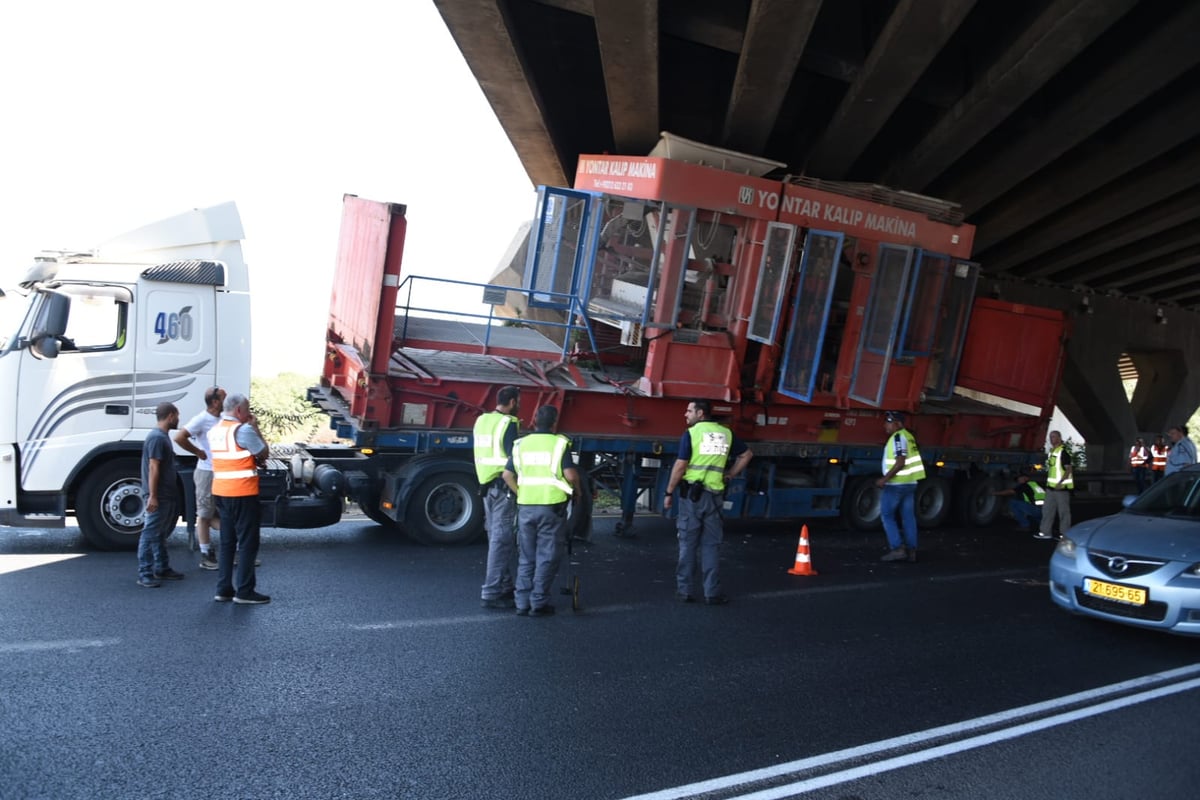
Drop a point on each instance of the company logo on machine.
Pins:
(746, 195)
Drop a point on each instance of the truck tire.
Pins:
(445, 509)
(932, 502)
(861, 503)
(977, 506)
(109, 505)
(302, 513)
(376, 515)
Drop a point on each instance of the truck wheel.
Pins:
(977, 506)
(445, 509)
(369, 506)
(933, 502)
(109, 505)
(861, 504)
(377, 516)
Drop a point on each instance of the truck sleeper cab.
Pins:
(157, 315)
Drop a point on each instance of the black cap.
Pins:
(894, 416)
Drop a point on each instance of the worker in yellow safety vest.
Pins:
(494, 435)
(1059, 483)
(902, 469)
(542, 474)
(1026, 498)
(708, 453)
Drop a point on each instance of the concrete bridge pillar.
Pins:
(1163, 346)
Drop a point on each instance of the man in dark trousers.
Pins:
(1060, 480)
(162, 500)
(700, 472)
(542, 474)
(1139, 464)
(494, 435)
(238, 450)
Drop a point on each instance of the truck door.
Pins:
(560, 246)
(953, 318)
(83, 398)
(810, 314)
(175, 353)
(883, 315)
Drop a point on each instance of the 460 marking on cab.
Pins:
(171, 325)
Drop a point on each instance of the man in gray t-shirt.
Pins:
(162, 500)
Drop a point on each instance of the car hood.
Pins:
(1163, 537)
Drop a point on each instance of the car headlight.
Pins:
(1066, 547)
(1193, 571)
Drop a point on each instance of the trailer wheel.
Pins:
(445, 509)
(977, 506)
(932, 502)
(861, 504)
(109, 505)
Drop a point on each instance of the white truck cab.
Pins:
(94, 342)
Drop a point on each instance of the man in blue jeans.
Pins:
(161, 500)
(902, 468)
(1025, 503)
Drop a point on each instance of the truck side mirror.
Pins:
(50, 324)
(45, 347)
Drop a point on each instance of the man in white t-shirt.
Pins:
(193, 437)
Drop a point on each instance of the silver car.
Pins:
(1139, 567)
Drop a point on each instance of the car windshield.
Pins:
(1175, 495)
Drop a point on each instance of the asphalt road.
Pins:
(374, 673)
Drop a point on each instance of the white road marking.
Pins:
(56, 644)
(12, 563)
(1177, 680)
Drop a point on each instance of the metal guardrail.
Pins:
(575, 304)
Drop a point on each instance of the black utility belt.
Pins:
(694, 491)
(557, 508)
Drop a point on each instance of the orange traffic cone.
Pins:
(803, 561)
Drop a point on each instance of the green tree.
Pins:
(284, 415)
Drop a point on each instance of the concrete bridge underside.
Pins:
(1067, 130)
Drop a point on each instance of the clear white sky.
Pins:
(120, 113)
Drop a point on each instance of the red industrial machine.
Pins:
(803, 309)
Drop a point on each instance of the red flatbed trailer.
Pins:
(802, 309)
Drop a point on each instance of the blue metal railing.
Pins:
(576, 317)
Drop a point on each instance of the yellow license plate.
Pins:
(1115, 591)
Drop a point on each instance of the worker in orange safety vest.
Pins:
(1158, 458)
(1139, 464)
